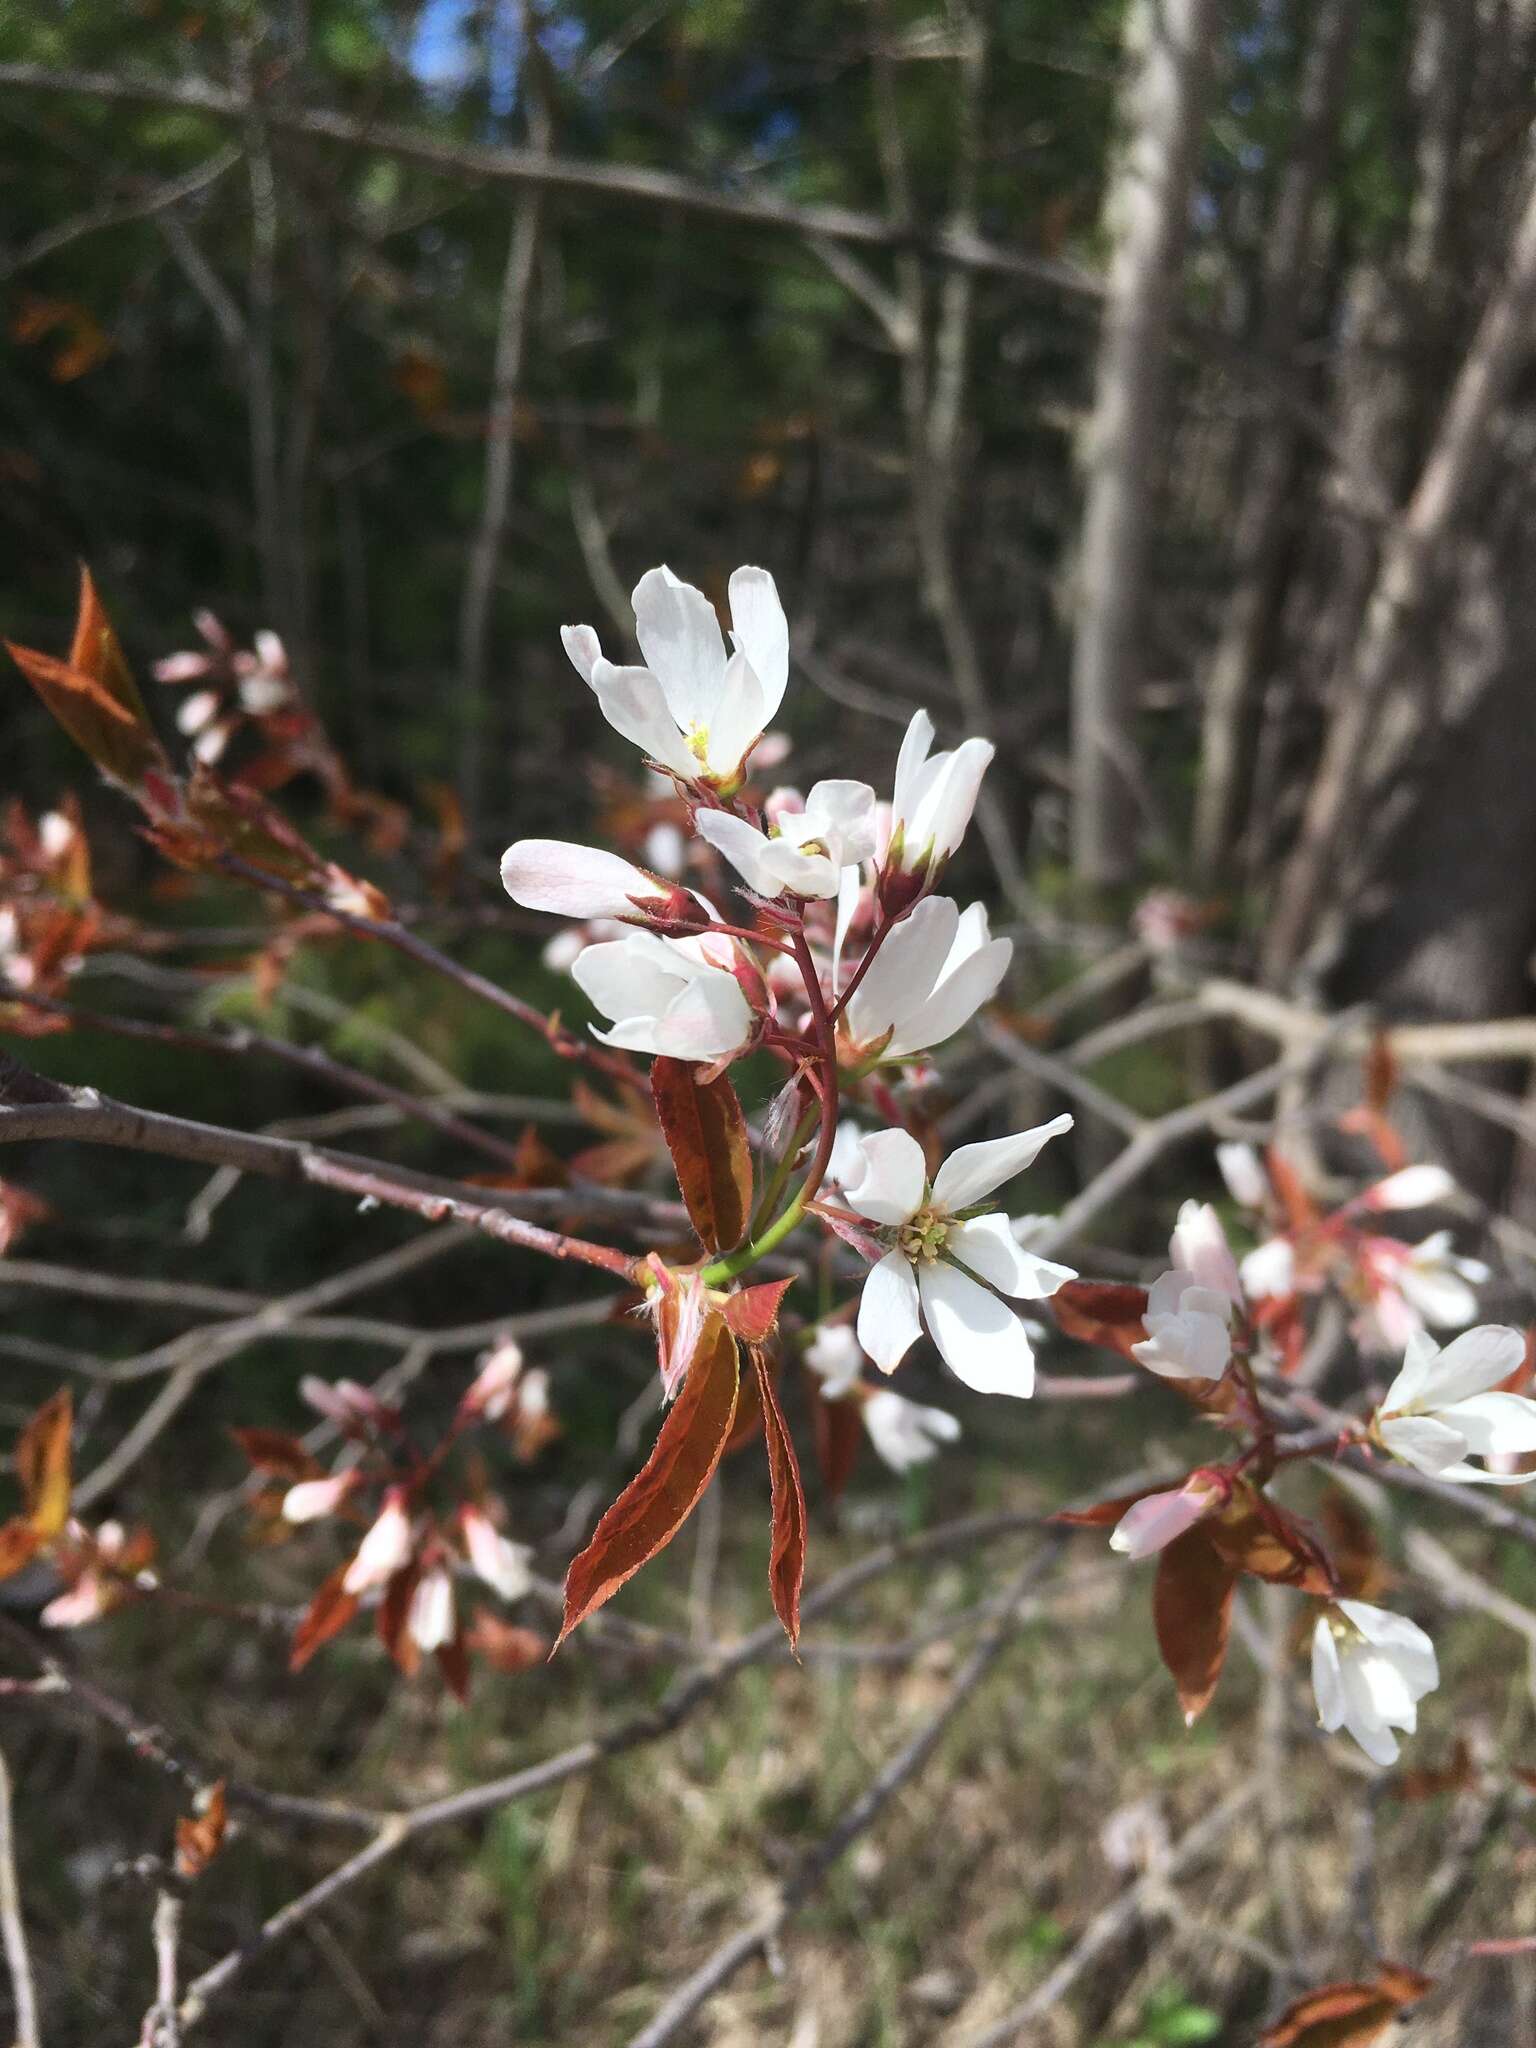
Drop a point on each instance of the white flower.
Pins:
(835, 1355)
(1435, 1281)
(490, 1393)
(934, 798)
(941, 1257)
(1269, 1270)
(1411, 1187)
(930, 976)
(1157, 1519)
(1243, 1171)
(430, 1620)
(578, 881)
(1199, 1247)
(386, 1547)
(1189, 1333)
(845, 1157)
(313, 1499)
(692, 709)
(903, 1432)
(668, 996)
(808, 847)
(1369, 1669)
(1440, 1409)
(501, 1563)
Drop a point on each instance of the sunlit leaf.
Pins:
(661, 1497)
(1192, 1613)
(43, 1465)
(706, 1135)
(326, 1616)
(1348, 2015)
(786, 1564)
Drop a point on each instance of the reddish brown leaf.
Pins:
(1379, 1072)
(663, 1494)
(1109, 1314)
(1192, 1613)
(754, 1312)
(839, 1431)
(748, 1425)
(786, 1563)
(706, 1134)
(1350, 2015)
(1350, 1535)
(43, 1465)
(394, 1612)
(94, 698)
(504, 1647)
(274, 1452)
(1254, 1534)
(198, 1839)
(18, 1545)
(1425, 1782)
(453, 1662)
(326, 1616)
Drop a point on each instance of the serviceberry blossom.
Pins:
(677, 997)
(946, 1259)
(1157, 1519)
(934, 798)
(580, 881)
(1442, 1409)
(312, 1499)
(1243, 1171)
(693, 709)
(385, 1549)
(430, 1622)
(1412, 1286)
(502, 1564)
(930, 977)
(836, 1357)
(905, 1433)
(490, 1393)
(1189, 1310)
(808, 844)
(1370, 1668)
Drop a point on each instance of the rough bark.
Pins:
(1169, 44)
(1234, 678)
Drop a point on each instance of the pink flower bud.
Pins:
(1158, 1519)
(384, 1550)
(491, 1393)
(431, 1619)
(312, 1499)
(502, 1564)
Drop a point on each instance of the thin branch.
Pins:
(12, 1932)
(628, 184)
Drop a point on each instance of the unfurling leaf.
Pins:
(786, 1563)
(706, 1134)
(43, 1465)
(326, 1616)
(199, 1838)
(663, 1494)
(1254, 1534)
(1353, 2015)
(1192, 1613)
(1107, 1313)
(95, 699)
(277, 1454)
(503, 1645)
(754, 1312)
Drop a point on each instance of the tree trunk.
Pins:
(1147, 208)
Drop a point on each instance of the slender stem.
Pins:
(23, 1989)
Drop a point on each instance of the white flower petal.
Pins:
(1423, 1442)
(975, 1170)
(980, 1338)
(1327, 1676)
(888, 1323)
(573, 881)
(1420, 1359)
(1494, 1425)
(1412, 1187)
(584, 648)
(742, 844)
(631, 700)
(1473, 1363)
(909, 962)
(988, 1247)
(888, 1179)
(762, 633)
(683, 646)
(1269, 1270)
(957, 998)
(739, 718)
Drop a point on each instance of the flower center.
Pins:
(922, 1236)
